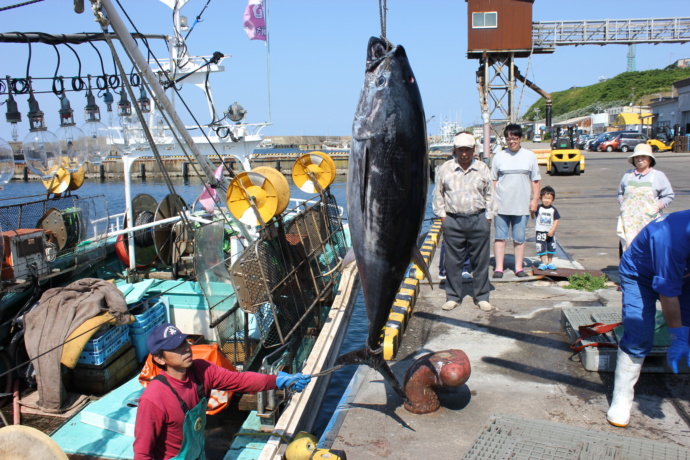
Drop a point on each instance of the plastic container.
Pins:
(104, 337)
(99, 357)
(142, 326)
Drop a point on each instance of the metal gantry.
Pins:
(548, 34)
(497, 73)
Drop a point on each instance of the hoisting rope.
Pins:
(19, 4)
(383, 10)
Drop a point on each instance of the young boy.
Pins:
(547, 220)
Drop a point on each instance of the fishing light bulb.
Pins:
(41, 147)
(6, 163)
(98, 138)
(144, 102)
(12, 115)
(72, 140)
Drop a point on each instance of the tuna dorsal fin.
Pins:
(419, 260)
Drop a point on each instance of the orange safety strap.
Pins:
(589, 330)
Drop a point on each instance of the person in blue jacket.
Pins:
(656, 266)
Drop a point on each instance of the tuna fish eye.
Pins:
(410, 79)
(381, 81)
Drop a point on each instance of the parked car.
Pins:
(623, 141)
(582, 141)
(594, 146)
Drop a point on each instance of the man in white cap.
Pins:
(464, 200)
(171, 415)
(642, 194)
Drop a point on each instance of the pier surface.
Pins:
(522, 364)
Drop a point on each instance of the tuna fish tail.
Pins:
(373, 359)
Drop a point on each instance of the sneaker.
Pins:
(449, 305)
(520, 274)
(484, 305)
(498, 274)
(543, 267)
(551, 267)
(441, 277)
(466, 275)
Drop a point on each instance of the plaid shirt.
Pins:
(464, 192)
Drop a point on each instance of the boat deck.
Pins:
(523, 371)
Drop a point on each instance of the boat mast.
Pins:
(131, 47)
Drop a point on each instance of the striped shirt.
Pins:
(463, 192)
(514, 173)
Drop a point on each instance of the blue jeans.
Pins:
(639, 310)
(502, 224)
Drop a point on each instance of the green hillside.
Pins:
(635, 87)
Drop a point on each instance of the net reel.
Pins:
(171, 240)
(313, 172)
(144, 208)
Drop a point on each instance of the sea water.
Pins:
(114, 192)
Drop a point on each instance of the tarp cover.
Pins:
(59, 312)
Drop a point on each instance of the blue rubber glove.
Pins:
(679, 348)
(296, 382)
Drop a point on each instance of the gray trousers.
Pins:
(460, 232)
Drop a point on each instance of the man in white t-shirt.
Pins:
(516, 177)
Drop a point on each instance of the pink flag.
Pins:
(254, 20)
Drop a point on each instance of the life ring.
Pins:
(121, 251)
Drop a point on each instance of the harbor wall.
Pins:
(182, 167)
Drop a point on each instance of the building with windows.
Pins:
(671, 115)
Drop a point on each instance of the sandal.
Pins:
(521, 274)
(551, 267)
(543, 267)
(498, 274)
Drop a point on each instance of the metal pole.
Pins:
(128, 43)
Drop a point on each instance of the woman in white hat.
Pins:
(642, 194)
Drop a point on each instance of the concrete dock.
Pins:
(522, 364)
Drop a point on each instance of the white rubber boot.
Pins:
(627, 372)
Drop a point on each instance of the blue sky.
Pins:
(317, 55)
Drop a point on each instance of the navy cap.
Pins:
(164, 337)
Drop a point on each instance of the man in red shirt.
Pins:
(171, 415)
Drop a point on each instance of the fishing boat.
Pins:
(250, 272)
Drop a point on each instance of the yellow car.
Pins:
(564, 159)
(659, 146)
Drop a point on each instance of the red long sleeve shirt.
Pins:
(158, 428)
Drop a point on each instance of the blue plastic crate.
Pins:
(99, 357)
(151, 315)
(150, 324)
(104, 337)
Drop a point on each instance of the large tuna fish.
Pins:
(386, 189)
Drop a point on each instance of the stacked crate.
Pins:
(106, 361)
(142, 326)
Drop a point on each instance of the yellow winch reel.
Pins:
(313, 172)
(249, 193)
(280, 183)
(59, 182)
(77, 179)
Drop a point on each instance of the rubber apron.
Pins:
(639, 207)
(193, 440)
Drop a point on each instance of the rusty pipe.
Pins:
(16, 408)
(448, 368)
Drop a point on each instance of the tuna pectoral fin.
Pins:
(349, 258)
(419, 261)
(375, 361)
